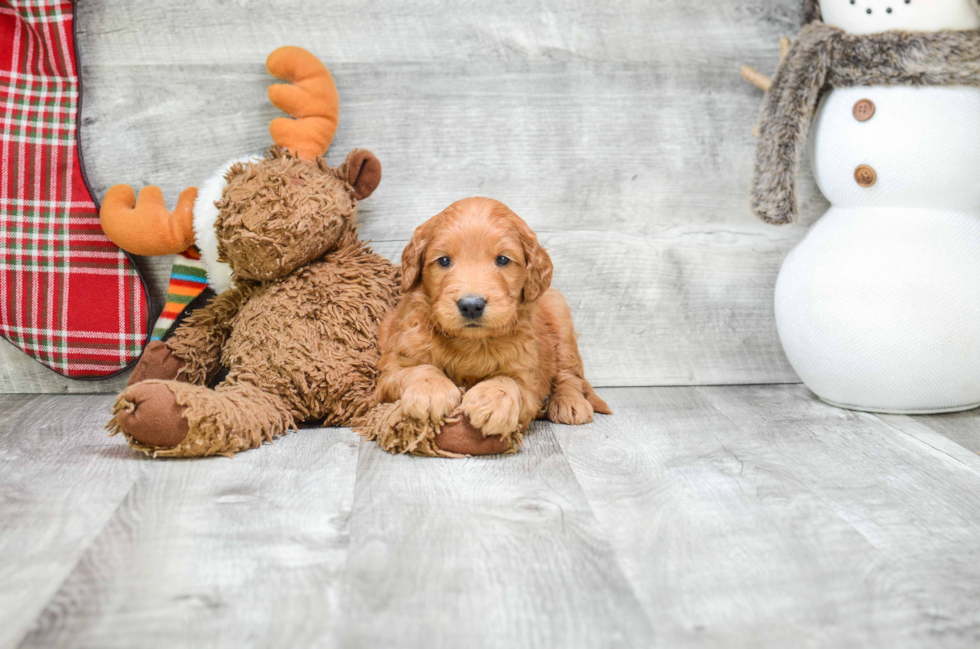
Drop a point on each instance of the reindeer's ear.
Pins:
(539, 266)
(363, 172)
(413, 258)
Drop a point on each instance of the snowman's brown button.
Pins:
(865, 176)
(864, 110)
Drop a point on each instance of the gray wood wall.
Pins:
(619, 130)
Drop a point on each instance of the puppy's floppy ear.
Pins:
(539, 266)
(413, 258)
(363, 171)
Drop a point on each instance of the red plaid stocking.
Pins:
(68, 296)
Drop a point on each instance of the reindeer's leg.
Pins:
(175, 419)
(193, 353)
(196, 345)
(158, 363)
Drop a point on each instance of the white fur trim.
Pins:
(205, 216)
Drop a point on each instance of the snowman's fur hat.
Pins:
(810, 10)
(826, 57)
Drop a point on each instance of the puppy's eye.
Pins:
(444, 261)
(502, 261)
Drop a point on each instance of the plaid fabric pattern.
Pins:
(188, 279)
(68, 296)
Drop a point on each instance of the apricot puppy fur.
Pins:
(477, 314)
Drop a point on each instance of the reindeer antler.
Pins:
(149, 228)
(310, 98)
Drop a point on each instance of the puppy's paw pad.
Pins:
(573, 410)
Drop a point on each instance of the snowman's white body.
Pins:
(878, 308)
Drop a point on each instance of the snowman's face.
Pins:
(873, 16)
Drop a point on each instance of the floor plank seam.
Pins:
(924, 443)
(605, 537)
(35, 626)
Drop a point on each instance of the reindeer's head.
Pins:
(280, 213)
(268, 216)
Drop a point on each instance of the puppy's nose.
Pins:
(471, 307)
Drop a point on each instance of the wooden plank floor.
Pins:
(703, 517)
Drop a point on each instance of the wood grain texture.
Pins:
(694, 517)
(217, 552)
(913, 504)
(621, 132)
(486, 552)
(61, 481)
(762, 515)
(960, 428)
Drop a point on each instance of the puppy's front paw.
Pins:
(432, 399)
(494, 407)
(571, 409)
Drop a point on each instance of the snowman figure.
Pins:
(878, 308)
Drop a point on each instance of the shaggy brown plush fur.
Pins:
(298, 331)
(517, 360)
(282, 213)
(826, 57)
(233, 417)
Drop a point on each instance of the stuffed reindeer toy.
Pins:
(296, 319)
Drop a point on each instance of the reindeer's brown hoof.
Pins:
(462, 437)
(155, 417)
(158, 362)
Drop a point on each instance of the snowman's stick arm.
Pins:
(758, 79)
